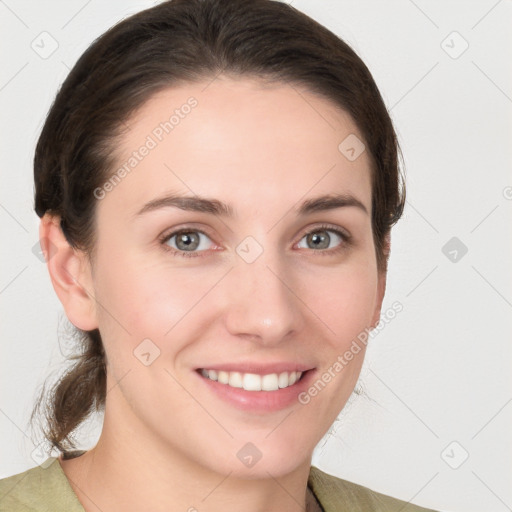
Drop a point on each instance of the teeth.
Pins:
(252, 381)
(235, 379)
(283, 380)
(270, 382)
(223, 377)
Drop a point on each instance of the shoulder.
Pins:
(337, 495)
(46, 488)
(40, 489)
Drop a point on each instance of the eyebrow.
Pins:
(221, 209)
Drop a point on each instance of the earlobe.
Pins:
(70, 274)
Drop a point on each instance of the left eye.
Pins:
(320, 238)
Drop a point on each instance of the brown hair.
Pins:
(174, 43)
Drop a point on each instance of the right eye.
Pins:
(186, 242)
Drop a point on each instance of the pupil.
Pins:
(186, 240)
(321, 241)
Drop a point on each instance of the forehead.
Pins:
(240, 140)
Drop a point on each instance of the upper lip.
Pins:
(259, 368)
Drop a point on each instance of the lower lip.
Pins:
(260, 401)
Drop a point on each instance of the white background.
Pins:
(440, 371)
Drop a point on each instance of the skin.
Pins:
(263, 150)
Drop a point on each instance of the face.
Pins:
(248, 276)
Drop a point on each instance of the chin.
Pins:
(252, 461)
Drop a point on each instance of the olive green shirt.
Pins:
(46, 488)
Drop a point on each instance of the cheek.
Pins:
(139, 300)
(344, 301)
(140, 304)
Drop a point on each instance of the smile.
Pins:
(252, 381)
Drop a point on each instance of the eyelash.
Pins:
(345, 237)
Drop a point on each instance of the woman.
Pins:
(216, 182)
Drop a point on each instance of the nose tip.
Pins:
(261, 307)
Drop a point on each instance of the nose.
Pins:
(260, 302)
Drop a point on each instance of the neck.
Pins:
(131, 470)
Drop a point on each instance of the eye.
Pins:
(322, 237)
(192, 242)
(186, 242)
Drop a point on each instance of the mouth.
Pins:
(261, 392)
(253, 381)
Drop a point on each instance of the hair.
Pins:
(175, 43)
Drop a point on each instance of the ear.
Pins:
(381, 283)
(70, 274)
